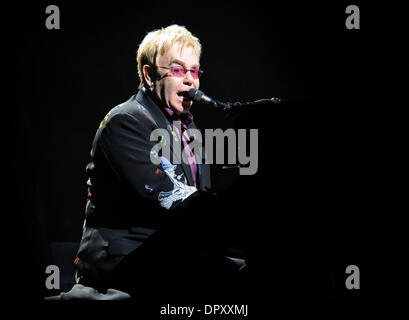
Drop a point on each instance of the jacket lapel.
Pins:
(163, 123)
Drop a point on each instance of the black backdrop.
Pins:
(331, 184)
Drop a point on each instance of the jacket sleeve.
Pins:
(125, 143)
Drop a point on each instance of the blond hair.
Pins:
(157, 42)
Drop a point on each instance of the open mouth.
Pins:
(183, 97)
(182, 94)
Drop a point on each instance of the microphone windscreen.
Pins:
(195, 94)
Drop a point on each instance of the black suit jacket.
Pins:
(131, 200)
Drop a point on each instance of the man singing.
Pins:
(147, 230)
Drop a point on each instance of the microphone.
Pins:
(199, 96)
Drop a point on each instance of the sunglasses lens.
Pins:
(178, 71)
(195, 73)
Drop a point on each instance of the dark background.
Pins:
(331, 188)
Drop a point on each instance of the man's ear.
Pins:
(148, 74)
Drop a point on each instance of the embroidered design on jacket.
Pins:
(180, 190)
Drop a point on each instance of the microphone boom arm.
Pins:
(199, 96)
